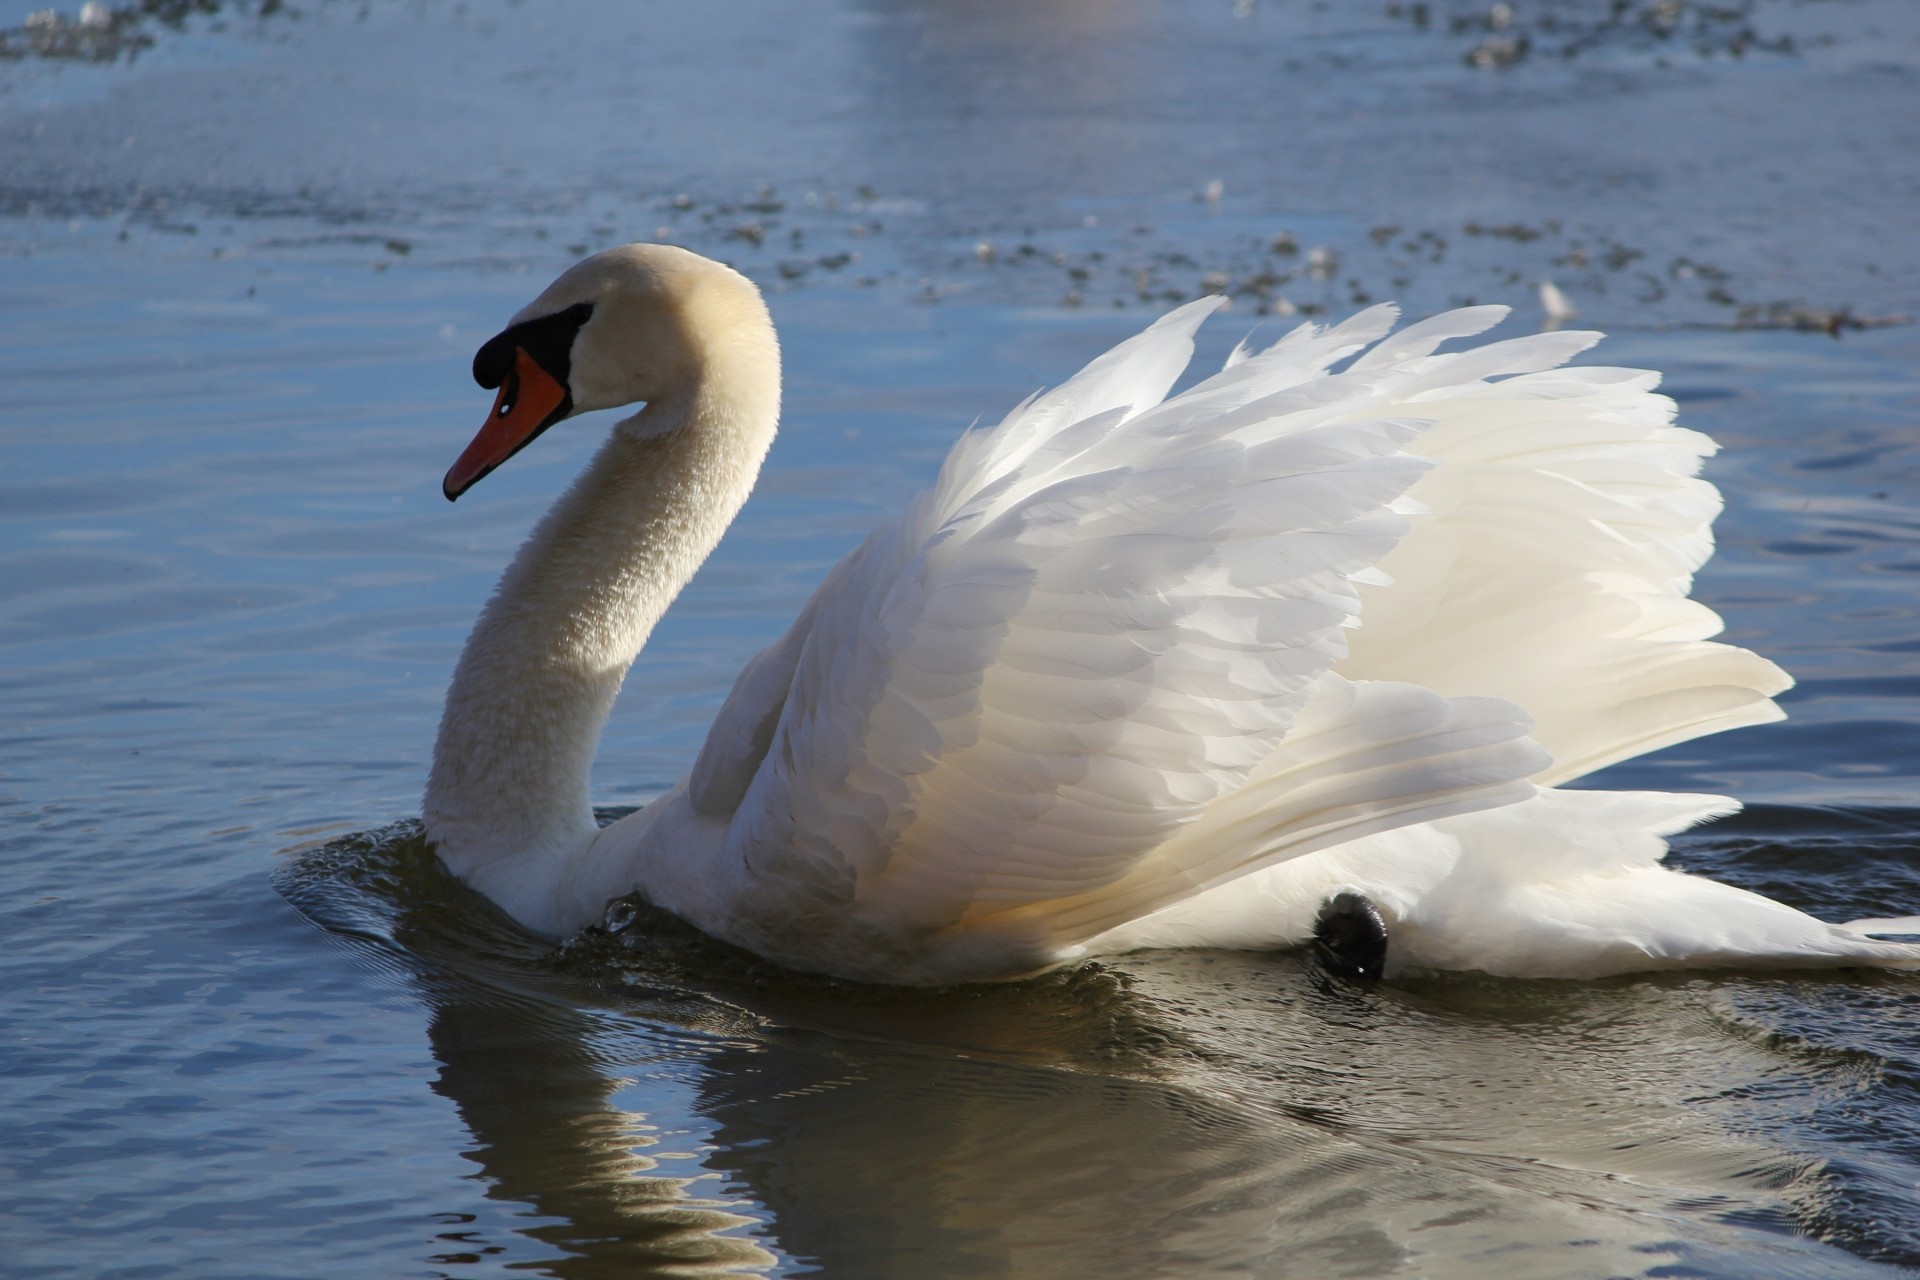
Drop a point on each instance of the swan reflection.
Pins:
(662, 1105)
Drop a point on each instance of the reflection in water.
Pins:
(1183, 1114)
(548, 1135)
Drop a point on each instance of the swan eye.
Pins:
(548, 342)
(509, 392)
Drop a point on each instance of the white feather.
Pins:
(1565, 884)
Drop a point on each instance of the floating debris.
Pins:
(1518, 232)
(1798, 315)
(1555, 304)
(1509, 34)
(101, 33)
(1498, 51)
(95, 34)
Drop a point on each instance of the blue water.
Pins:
(249, 1030)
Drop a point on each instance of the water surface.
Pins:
(251, 1031)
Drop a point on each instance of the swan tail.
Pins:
(1567, 884)
(1885, 926)
(1571, 886)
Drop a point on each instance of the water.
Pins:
(250, 1030)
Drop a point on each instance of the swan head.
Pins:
(644, 322)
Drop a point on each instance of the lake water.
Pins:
(248, 1030)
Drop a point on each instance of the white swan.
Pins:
(1136, 671)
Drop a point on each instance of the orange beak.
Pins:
(530, 401)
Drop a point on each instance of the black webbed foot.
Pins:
(1350, 937)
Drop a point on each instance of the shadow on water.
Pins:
(1152, 1115)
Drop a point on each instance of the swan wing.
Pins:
(1047, 430)
(1141, 370)
(742, 734)
(1103, 618)
(1551, 566)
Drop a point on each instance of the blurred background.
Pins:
(246, 253)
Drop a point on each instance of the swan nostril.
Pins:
(1351, 937)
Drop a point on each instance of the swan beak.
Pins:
(530, 401)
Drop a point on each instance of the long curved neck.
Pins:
(507, 801)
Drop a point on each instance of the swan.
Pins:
(1304, 653)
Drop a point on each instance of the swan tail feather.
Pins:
(1571, 885)
(1885, 926)
(1567, 884)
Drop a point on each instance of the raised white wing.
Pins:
(1103, 619)
(1551, 567)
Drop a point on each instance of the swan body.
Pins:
(1138, 670)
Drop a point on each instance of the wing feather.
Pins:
(1551, 561)
(1101, 620)
(1114, 657)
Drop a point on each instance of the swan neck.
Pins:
(509, 790)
